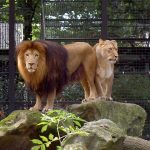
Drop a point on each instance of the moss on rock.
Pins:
(18, 121)
(129, 117)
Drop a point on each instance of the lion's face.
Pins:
(108, 50)
(31, 59)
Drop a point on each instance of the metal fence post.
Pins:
(104, 17)
(11, 84)
(42, 21)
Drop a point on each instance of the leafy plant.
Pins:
(131, 87)
(72, 92)
(65, 124)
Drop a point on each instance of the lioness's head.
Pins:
(108, 50)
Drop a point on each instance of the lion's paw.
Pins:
(45, 109)
(84, 101)
(109, 98)
(87, 100)
(34, 109)
(103, 97)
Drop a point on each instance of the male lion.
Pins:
(107, 55)
(47, 66)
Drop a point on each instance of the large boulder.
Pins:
(135, 143)
(19, 122)
(129, 117)
(103, 134)
(17, 130)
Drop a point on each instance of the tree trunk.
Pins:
(134, 143)
(29, 7)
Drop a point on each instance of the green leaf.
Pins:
(48, 144)
(43, 147)
(42, 123)
(44, 128)
(35, 147)
(51, 137)
(59, 148)
(55, 139)
(80, 119)
(77, 123)
(71, 128)
(36, 141)
(44, 138)
(64, 129)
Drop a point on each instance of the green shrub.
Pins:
(62, 122)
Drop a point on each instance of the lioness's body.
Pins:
(47, 66)
(107, 55)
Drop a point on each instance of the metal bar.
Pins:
(104, 17)
(11, 84)
(129, 39)
(77, 20)
(75, 39)
(60, 1)
(42, 21)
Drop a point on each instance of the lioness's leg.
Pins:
(50, 100)
(98, 85)
(109, 88)
(38, 104)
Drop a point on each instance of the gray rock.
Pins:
(129, 117)
(17, 130)
(135, 143)
(19, 122)
(103, 134)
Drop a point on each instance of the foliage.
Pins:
(61, 14)
(127, 19)
(131, 87)
(64, 122)
(72, 92)
(26, 12)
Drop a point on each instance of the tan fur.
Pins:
(38, 75)
(52, 69)
(107, 55)
(82, 53)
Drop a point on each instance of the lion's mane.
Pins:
(52, 70)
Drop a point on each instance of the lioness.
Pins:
(107, 55)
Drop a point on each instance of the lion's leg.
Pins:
(38, 104)
(85, 86)
(90, 71)
(93, 92)
(50, 100)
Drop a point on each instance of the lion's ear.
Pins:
(101, 42)
(115, 43)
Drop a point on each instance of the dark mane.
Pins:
(57, 73)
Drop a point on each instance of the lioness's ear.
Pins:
(101, 42)
(115, 43)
